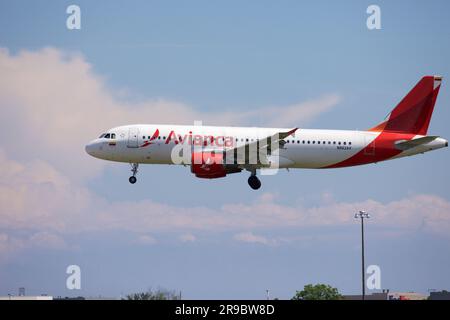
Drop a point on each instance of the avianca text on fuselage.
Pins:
(196, 140)
(214, 152)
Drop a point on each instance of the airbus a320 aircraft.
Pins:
(214, 152)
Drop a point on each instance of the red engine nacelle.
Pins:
(208, 165)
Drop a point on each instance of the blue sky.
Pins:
(206, 59)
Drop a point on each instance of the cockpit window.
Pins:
(108, 136)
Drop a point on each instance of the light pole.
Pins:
(362, 215)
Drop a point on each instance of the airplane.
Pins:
(213, 151)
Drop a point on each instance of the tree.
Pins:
(159, 294)
(317, 292)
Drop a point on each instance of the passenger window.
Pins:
(334, 142)
(309, 142)
(303, 141)
(318, 142)
(349, 143)
(314, 142)
(339, 143)
(329, 142)
(345, 143)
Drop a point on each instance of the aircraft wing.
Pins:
(251, 151)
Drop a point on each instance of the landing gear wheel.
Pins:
(132, 179)
(254, 182)
(134, 170)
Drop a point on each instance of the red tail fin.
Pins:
(413, 113)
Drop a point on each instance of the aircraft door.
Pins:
(133, 135)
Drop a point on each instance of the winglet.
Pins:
(287, 134)
(292, 131)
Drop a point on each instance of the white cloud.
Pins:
(295, 114)
(46, 239)
(37, 197)
(52, 103)
(11, 245)
(252, 238)
(187, 237)
(146, 239)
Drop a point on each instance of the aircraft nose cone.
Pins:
(89, 148)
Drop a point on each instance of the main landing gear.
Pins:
(134, 169)
(253, 181)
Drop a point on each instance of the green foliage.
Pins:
(317, 292)
(159, 294)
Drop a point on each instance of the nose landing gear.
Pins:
(134, 169)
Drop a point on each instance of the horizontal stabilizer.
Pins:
(409, 144)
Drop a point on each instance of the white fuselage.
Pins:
(305, 148)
